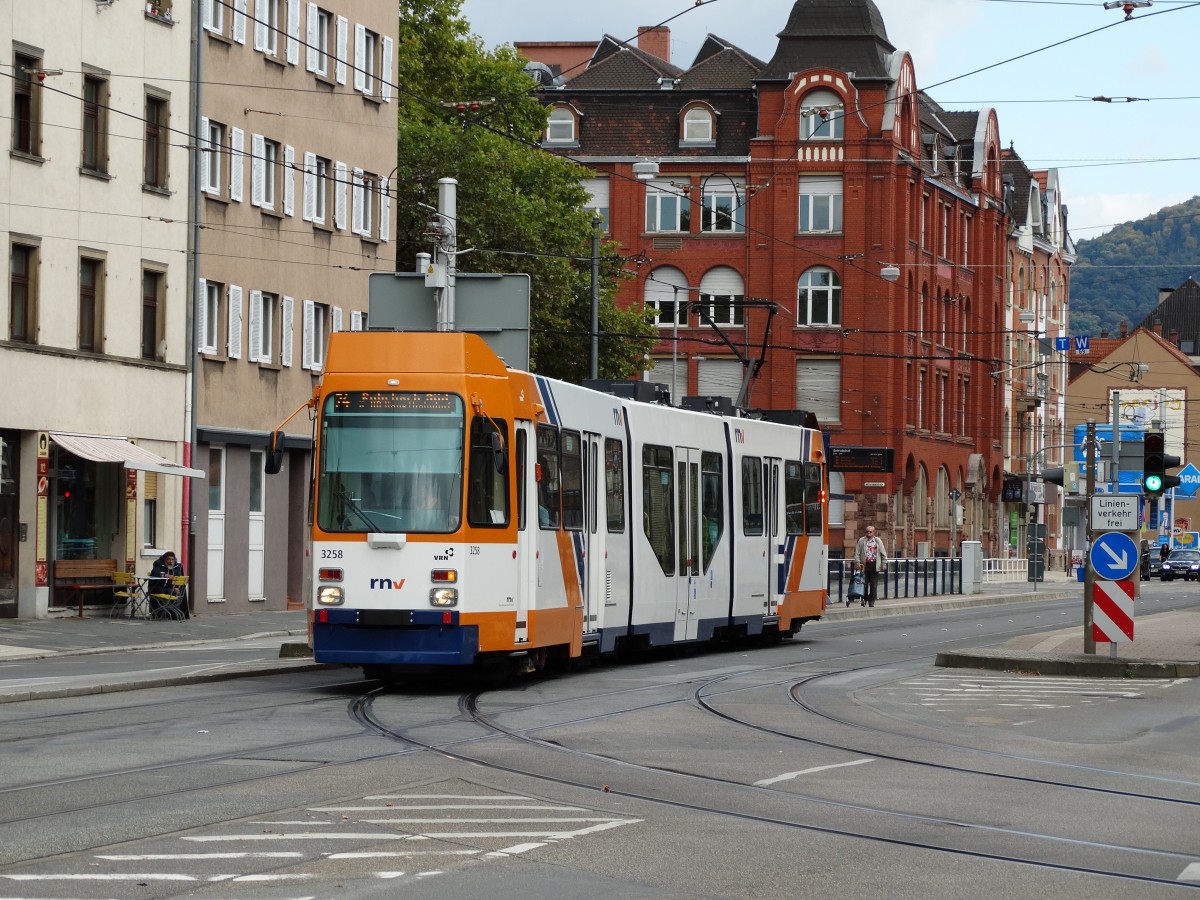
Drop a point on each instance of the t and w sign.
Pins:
(1112, 611)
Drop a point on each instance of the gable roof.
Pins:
(1179, 311)
(1101, 349)
(617, 65)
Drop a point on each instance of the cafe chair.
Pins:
(124, 593)
(169, 603)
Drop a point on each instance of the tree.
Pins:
(519, 207)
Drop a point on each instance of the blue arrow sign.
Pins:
(1114, 556)
(1189, 480)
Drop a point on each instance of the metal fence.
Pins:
(903, 578)
(998, 570)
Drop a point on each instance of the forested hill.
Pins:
(1117, 275)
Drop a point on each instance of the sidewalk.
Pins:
(1167, 644)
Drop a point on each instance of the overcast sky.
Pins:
(1117, 161)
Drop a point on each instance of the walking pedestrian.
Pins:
(871, 557)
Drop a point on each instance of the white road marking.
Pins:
(401, 808)
(381, 854)
(474, 821)
(325, 836)
(514, 850)
(443, 797)
(68, 876)
(133, 857)
(789, 775)
(1191, 873)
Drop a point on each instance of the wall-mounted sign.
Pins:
(861, 459)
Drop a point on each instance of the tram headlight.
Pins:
(330, 595)
(443, 597)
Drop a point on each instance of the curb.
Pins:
(908, 606)
(1079, 664)
(160, 645)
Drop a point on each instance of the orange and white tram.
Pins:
(466, 512)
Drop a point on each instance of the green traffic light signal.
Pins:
(1153, 484)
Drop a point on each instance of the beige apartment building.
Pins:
(297, 141)
(93, 313)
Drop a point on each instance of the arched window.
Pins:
(920, 495)
(821, 117)
(697, 126)
(661, 295)
(941, 501)
(722, 292)
(560, 128)
(819, 298)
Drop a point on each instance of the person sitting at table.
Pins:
(165, 568)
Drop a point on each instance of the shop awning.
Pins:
(102, 448)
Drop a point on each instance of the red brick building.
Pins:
(817, 220)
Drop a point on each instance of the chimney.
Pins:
(1124, 328)
(1103, 332)
(655, 40)
(1175, 336)
(1158, 327)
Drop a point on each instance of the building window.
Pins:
(212, 145)
(820, 203)
(366, 46)
(945, 213)
(152, 286)
(316, 319)
(155, 163)
(662, 297)
(262, 325)
(95, 124)
(317, 54)
(697, 126)
(266, 176)
(966, 239)
(150, 509)
(819, 298)
(560, 128)
(26, 122)
(819, 388)
(317, 187)
(597, 202)
(22, 309)
(91, 310)
(266, 26)
(362, 202)
(722, 294)
(213, 14)
(210, 321)
(821, 117)
(723, 208)
(667, 208)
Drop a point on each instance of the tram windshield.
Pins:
(391, 461)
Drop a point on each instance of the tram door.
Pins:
(687, 531)
(772, 527)
(594, 550)
(527, 533)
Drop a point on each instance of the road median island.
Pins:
(1080, 664)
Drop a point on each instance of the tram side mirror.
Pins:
(499, 456)
(274, 461)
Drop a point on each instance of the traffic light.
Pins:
(1155, 462)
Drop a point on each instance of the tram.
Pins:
(465, 513)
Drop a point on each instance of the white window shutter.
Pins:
(385, 74)
(355, 320)
(310, 186)
(289, 181)
(339, 195)
(312, 56)
(360, 57)
(239, 21)
(202, 315)
(206, 148)
(306, 352)
(258, 168)
(385, 212)
(234, 349)
(237, 147)
(356, 225)
(343, 36)
(337, 319)
(255, 325)
(285, 332)
(260, 25)
(293, 32)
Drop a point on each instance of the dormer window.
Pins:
(561, 127)
(697, 126)
(821, 117)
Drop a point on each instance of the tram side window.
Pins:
(549, 491)
(793, 496)
(522, 486)
(487, 490)
(712, 504)
(658, 507)
(814, 508)
(752, 495)
(614, 484)
(572, 480)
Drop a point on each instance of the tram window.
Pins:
(549, 492)
(814, 508)
(487, 489)
(658, 508)
(614, 484)
(522, 479)
(712, 505)
(752, 495)
(572, 480)
(793, 496)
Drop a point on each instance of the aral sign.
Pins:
(1115, 513)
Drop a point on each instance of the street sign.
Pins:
(1115, 513)
(1189, 480)
(1112, 611)
(1062, 344)
(1113, 556)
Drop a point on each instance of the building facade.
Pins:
(813, 232)
(94, 316)
(297, 142)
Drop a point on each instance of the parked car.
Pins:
(1182, 564)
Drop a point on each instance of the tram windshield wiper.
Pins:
(344, 496)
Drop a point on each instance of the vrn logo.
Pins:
(386, 584)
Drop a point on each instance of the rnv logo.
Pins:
(386, 584)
